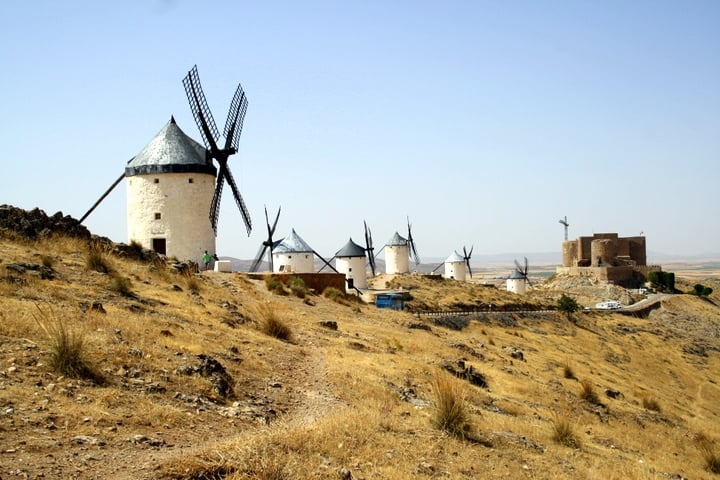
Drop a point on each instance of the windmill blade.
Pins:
(411, 243)
(436, 268)
(518, 267)
(369, 248)
(277, 217)
(217, 195)
(258, 259)
(200, 109)
(239, 200)
(526, 267)
(235, 118)
(102, 197)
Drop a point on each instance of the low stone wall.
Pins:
(315, 281)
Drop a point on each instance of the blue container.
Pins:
(390, 300)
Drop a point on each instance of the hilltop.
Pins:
(181, 379)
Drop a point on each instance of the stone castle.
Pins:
(607, 257)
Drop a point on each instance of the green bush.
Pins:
(298, 287)
(701, 290)
(275, 286)
(568, 305)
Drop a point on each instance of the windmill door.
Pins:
(159, 245)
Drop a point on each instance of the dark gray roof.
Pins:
(396, 241)
(171, 151)
(516, 275)
(292, 244)
(351, 249)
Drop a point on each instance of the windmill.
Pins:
(466, 257)
(518, 279)
(233, 127)
(369, 248)
(412, 250)
(267, 245)
(563, 221)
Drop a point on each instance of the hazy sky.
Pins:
(484, 122)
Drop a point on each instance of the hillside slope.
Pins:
(181, 381)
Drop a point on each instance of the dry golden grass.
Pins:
(357, 398)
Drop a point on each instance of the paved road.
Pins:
(648, 302)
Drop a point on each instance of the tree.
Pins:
(701, 290)
(568, 305)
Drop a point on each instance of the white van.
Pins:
(609, 305)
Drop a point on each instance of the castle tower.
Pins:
(455, 267)
(170, 186)
(293, 255)
(397, 255)
(350, 260)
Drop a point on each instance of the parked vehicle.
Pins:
(608, 305)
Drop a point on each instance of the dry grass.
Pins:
(67, 347)
(369, 410)
(563, 431)
(651, 403)
(271, 322)
(588, 393)
(568, 372)
(449, 409)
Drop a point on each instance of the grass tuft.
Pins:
(450, 411)
(271, 324)
(588, 393)
(568, 372)
(709, 453)
(651, 403)
(563, 431)
(97, 261)
(68, 352)
(122, 286)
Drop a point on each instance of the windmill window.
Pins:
(190, 180)
(350, 269)
(157, 180)
(157, 216)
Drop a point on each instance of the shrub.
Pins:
(450, 412)
(701, 290)
(67, 353)
(563, 432)
(298, 287)
(192, 284)
(275, 286)
(663, 281)
(272, 325)
(587, 392)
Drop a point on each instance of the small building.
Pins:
(170, 186)
(516, 283)
(350, 260)
(393, 301)
(455, 267)
(397, 255)
(293, 255)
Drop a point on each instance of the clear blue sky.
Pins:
(484, 122)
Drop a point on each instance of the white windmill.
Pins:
(518, 280)
(350, 261)
(293, 255)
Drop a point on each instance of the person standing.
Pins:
(206, 259)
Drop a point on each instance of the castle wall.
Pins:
(603, 252)
(174, 209)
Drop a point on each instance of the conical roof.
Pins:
(351, 249)
(455, 258)
(292, 244)
(396, 241)
(516, 275)
(171, 151)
